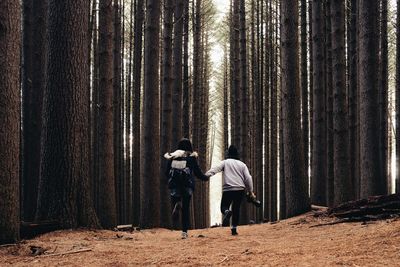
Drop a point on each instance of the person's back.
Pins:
(236, 175)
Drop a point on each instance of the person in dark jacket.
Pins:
(182, 164)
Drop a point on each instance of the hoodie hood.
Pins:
(180, 154)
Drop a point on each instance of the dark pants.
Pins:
(185, 209)
(234, 198)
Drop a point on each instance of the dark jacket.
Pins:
(191, 162)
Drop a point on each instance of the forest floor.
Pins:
(292, 242)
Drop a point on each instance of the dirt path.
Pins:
(288, 243)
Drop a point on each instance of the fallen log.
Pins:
(32, 229)
(373, 208)
(68, 252)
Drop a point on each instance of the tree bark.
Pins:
(318, 176)
(137, 68)
(352, 96)
(342, 181)
(371, 182)
(177, 73)
(33, 121)
(10, 108)
(398, 99)
(304, 84)
(64, 192)
(150, 160)
(296, 184)
(166, 114)
(107, 202)
(383, 98)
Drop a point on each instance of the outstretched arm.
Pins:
(216, 169)
(197, 171)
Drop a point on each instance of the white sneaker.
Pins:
(184, 235)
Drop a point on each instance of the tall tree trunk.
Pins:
(28, 191)
(318, 176)
(128, 121)
(137, 68)
(166, 114)
(311, 85)
(64, 192)
(94, 179)
(371, 181)
(236, 74)
(150, 161)
(33, 127)
(177, 73)
(117, 109)
(352, 96)
(304, 83)
(186, 82)
(107, 205)
(383, 98)
(329, 107)
(10, 21)
(244, 101)
(273, 216)
(342, 183)
(397, 104)
(296, 184)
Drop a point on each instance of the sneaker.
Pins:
(184, 235)
(234, 232)
(176, 210)
(226, 218)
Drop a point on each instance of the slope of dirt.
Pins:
(287, 243)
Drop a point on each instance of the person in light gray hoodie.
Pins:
(236, 179)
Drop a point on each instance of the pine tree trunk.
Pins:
(342, 182)
(177, 73)
(33, 122)
(352, 96)
(274, 130)
(26, 80)
(117, 109)
(10, 21)
(371, 182)
(296, 184)
(266, 109)
(94, 179)
(64, 192)
(166, 114)
(304, 83)
(244, 101)
(186, 82)
(236, 107)
(318, 176)
(383, 98)
(107, 204)
(150, 161)
(329, 108)
(397, 104)
(137, 68)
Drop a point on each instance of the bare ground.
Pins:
(290, 242)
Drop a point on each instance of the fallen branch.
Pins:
(68, 252)
(224, 259)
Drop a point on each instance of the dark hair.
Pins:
(233, 152)
(185, 144)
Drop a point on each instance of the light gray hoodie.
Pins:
(236, 175)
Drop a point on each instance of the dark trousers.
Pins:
(185, 209)
(234, 198)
